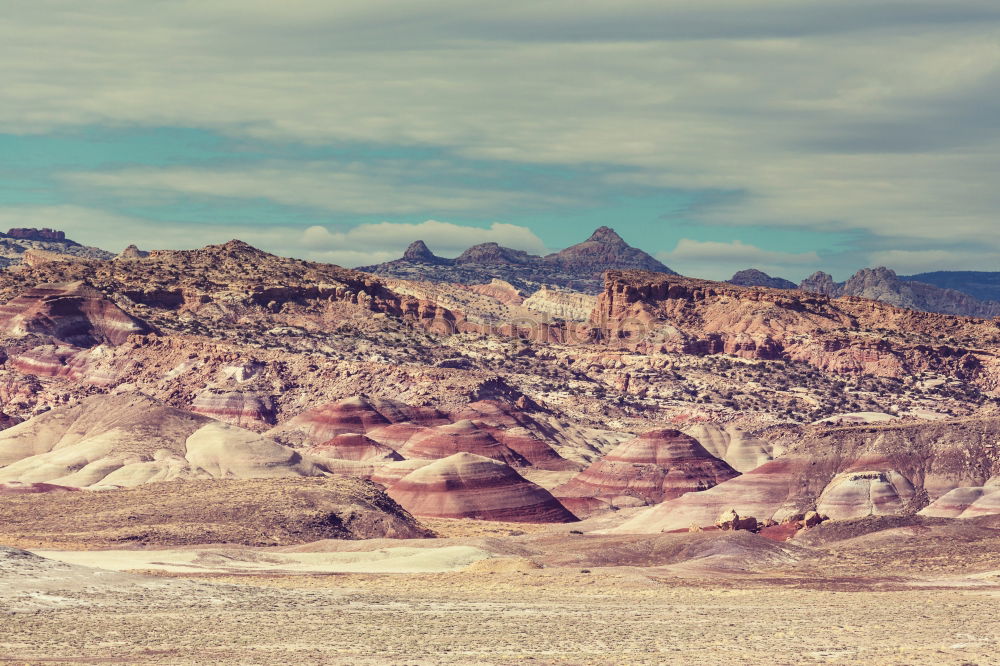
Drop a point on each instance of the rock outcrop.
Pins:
(654, 313)
(17, 243)
(657, 466)
(240, 408)
(741, 450)
(561, 304)
(71, 312)
(132, 252)
(465, 485)
(866, 493)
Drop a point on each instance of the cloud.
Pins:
(718, 261)
(360, 245)
(878, 116)
(908, 262)
(361, 189)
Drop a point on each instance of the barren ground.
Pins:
(872, 597)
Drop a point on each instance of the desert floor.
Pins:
(872, 599)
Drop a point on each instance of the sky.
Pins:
(718, 135)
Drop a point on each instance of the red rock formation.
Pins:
(321, 424)
(522, 442)
(395, 436)
(392, 472)
(654, 313)
(352, 415)
(966, 502)
(846, 472)
(71, 312)
(461, 437)
(64, 361)
(502, 291)
(354, 446)
(470, 486)
(866, 493)
(240, 408)
(46, 234)
(657, 466)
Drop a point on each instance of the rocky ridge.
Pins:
(578, 267)
(882, 284)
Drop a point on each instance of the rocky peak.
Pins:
(604, 250)
(419, 253)
(821, 283)
(494, 253)
(235, 248)
(606, 235)
(132, 252)
(752, 277)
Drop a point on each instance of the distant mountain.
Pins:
(16, 242)
(579, 267)
(983, 285)
(882, 284)
(752, 277)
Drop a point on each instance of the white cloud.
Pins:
(352, 189)
(360, 245)
(874, 115)
(908, 262)
(718, 261)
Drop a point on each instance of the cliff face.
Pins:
(648, 312)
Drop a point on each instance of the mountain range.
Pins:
(882, 284)
(579, 267)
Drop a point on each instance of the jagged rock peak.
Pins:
(606, 235)
(821, 283)
(236, 246)
(132, 252)
(418, 252)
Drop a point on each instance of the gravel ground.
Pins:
(550, 616)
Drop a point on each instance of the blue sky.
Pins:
(720, 135)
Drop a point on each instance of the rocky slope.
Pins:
(882, 284)
(123, 440)
(465, 485)
(845, 472)
(578, 267)
(252, 512)
(16, 243)
(655, 313)
(657, 466)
